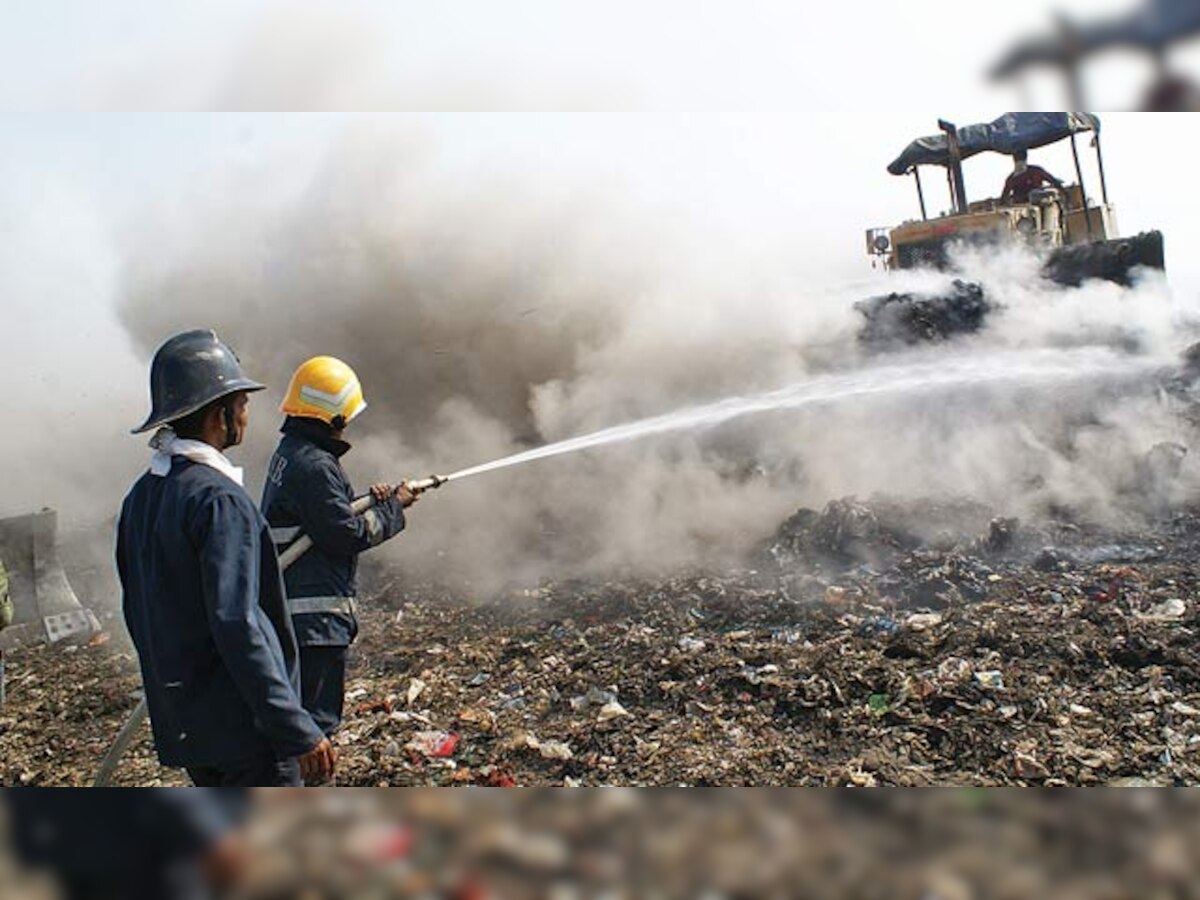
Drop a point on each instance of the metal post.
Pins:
(1100, 163)
(955, 167)
(920, 193)
(1072, 49)
(1075, 84)
(1087, 217)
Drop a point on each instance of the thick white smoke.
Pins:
(487, 315)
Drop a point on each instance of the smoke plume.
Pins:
(486, 314)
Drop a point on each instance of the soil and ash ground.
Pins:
(855, 648)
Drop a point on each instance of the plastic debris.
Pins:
(745, 676)
(611, 710)
(689, 644)
(993, 681)
(435, 744)
(415, 688)
(549, 749)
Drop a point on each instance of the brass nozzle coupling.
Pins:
(420, 485)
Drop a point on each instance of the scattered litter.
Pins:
(415, 688)
(993, 681)
(594, 697)
(923, 621)
(924, 669)
(435, 744)
(953, 669)
(1169, 609)
(549, 749)
(611, 710)
(690, 645)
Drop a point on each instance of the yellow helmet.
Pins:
(324, 388)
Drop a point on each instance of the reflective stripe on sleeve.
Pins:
(301, 605)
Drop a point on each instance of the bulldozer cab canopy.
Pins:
(1012, 132)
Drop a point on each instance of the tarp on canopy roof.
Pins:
(1155, 25)
(1011, 132)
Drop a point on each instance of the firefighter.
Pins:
(152, 844)
(203, 597)
(306, 491)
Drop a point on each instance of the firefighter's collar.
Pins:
(316, 431)
(167, 444)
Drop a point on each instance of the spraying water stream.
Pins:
(1029, 369)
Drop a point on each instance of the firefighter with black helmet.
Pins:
(306, 491)
(202, 591)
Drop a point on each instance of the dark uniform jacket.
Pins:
(307, 492)
(203, 600)
(128, 835)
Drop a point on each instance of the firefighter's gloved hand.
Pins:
(381, 492)
(406, 496)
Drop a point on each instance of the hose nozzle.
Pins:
(420, 485)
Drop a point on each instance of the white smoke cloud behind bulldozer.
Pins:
(494, 306)
(502, 281)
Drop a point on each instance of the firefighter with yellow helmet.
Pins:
(307, 492)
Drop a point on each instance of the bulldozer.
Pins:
(1074, 231)
(43, 605)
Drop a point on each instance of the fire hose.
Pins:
(293, 552)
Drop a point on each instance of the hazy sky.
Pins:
(784, 193)
(531, 54)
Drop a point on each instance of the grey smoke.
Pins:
(487, 315)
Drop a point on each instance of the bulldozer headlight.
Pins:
(882, 243)
(1026, 225)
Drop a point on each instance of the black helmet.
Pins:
(190, 371)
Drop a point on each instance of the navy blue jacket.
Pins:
(203, 600)
(307, 492)
(121, 834)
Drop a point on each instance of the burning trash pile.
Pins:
(900, 319)
(868, 643)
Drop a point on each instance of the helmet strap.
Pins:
(337, 423)
(230, 425)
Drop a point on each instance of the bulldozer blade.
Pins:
(43, 599)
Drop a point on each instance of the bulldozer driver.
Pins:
(307, 492)
(1024, 180)
(202, 592)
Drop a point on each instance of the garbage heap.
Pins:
(878, 642)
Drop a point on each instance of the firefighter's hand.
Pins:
(381, 492)
(226, 861)
(406, 495)
(318, 763)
